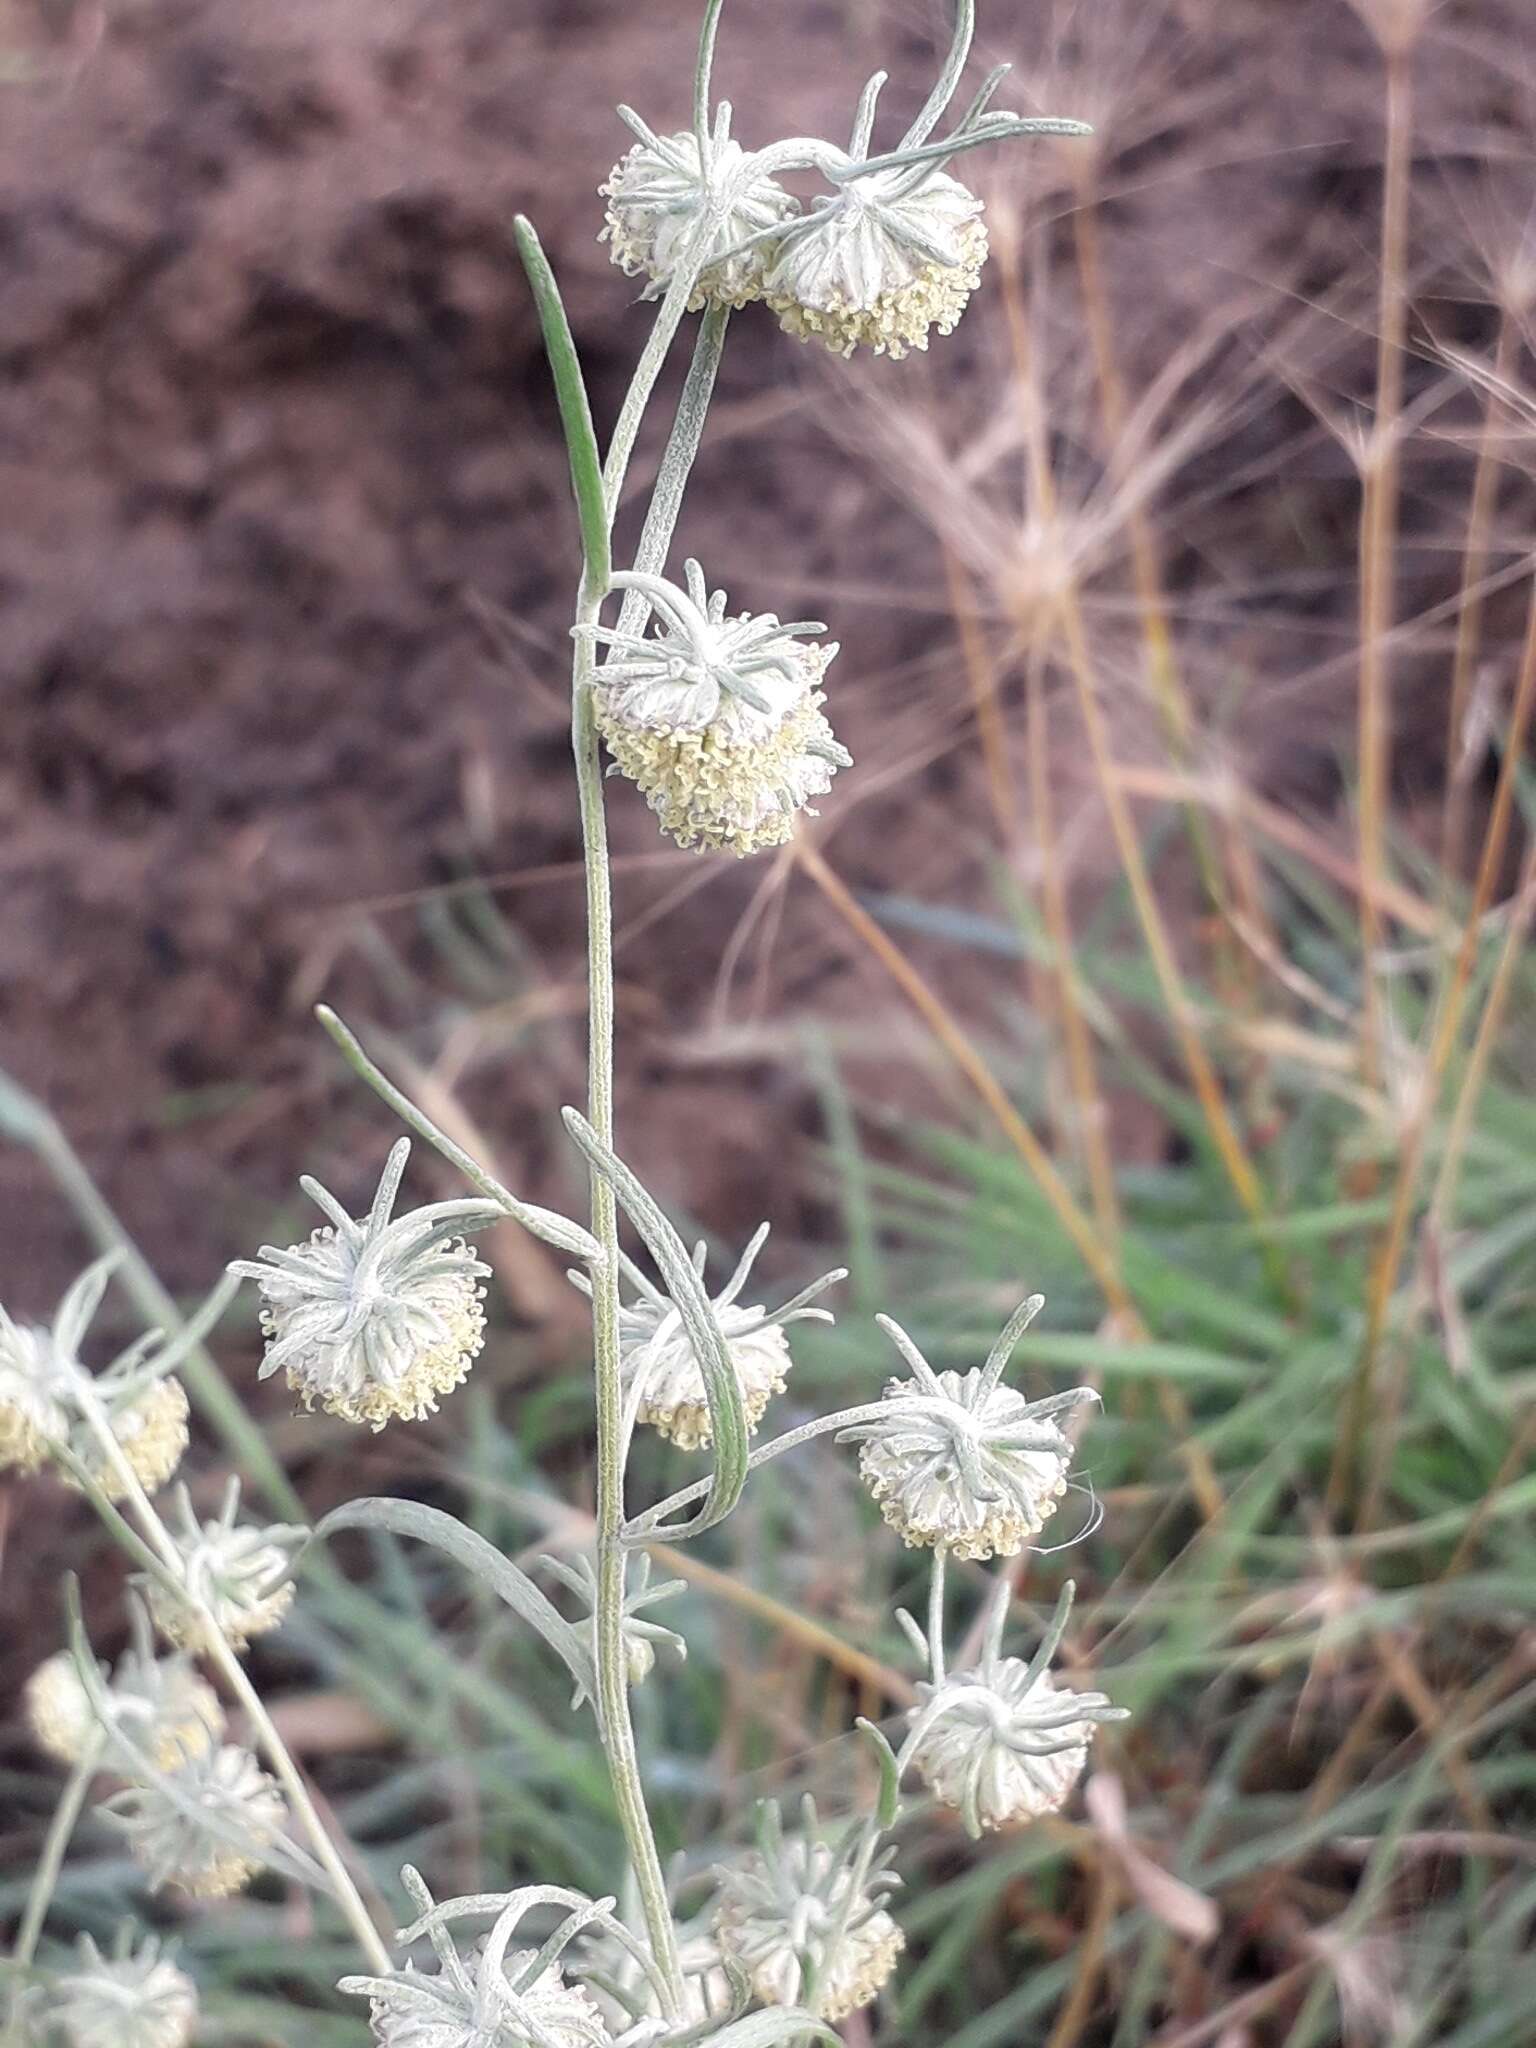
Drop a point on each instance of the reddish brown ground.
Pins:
(274, 429)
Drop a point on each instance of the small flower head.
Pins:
(717, 720)
(135, 1998)
(663, 1379)
(661, 201)
(793, 1915)
(48, 1399)
(158, 1704)
(374, 1318)
(207, 1826)
(641, 1637)
(1004, 1743)
(490, 1997)
(239, 1572)
(958, 1461)
(879, 263)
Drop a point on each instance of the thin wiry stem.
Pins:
(50, 1862)
(1378, 542)
(215, 1645)
(1469, 616)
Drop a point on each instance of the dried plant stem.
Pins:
(981, 674)
(215, 1646)
(1490, 1025)
(1389, 1257)
(1378, 541)
(1082, 1067)
(1151, 604)
(1074, 636)
(1079, 1228)
(1469, 617)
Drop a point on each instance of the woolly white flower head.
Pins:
(956, 1460)
(717, 720)
(135, 1998)
(896, 247)
(240, 1573)
(640, 1637)
(207, 1826)
(490, 1997)
(374, 1318)
(1004, 1743)
(879, 263)
(663, 1379)
(661, 199)
(159, 1704)
(46, 1395)
(795, 1917)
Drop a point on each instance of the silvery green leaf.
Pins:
(727, 1414)
(449, 1535)
(767, 2029)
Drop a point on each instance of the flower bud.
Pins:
(1005, 1743)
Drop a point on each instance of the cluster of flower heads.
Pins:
(198, 1812)
(717, 719)
(890, 252)
(122, 1426)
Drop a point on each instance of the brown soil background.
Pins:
(275, 437)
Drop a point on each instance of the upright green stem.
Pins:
(612, 1680)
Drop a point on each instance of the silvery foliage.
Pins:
(377, 1316)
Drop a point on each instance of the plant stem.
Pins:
(1378, 537)
(612, 1680)
(46, 1877)
(215, 1645)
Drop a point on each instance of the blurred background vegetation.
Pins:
(1167, 949)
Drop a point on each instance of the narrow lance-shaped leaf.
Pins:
(445, 1533)
(575, 409)
(727, 1413)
